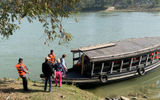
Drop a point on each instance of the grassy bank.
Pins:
(12, 89)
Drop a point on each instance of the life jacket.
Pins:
(157, 55)
(151, 54)
(134, 58)
(19, 69)
(52, 56)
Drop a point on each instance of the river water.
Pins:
(92, 28)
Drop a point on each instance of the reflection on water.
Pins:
(147, 85)
(92, 28)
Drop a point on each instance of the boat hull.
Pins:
(111, 77)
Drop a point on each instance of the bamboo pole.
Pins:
(121, 66)
(73, 58)
(102, 68)
(140, 61)
(92, 72)
(82, 64)
(147, 59)
(130, 64)
(153, 57)
(112, 67)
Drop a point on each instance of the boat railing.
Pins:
(124, 65)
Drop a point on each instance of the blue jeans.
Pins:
(48, 78)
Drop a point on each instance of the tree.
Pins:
(156, 2)
(48, 12)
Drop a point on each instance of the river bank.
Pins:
(12, 90)
(123, 10)
(113, 9)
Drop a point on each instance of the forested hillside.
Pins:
(118, 4)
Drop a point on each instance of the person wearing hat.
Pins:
(47, 71)
(22, 70)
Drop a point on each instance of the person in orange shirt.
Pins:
(52, 56)
(22, 71)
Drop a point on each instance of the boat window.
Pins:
(135, 61)
(87, 68)
(144, 58)
(157, 55)
(126, 63)
(76, 59)
(97, 67)
(107, 66)
(79, 62)
(117, 64)
(152, 55)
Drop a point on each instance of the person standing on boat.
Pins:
(22, 70)
(52, 56)
(47, 71)
(58, 69)
(63, 62)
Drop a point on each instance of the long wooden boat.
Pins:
(114, 60)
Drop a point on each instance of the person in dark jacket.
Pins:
(47, 71)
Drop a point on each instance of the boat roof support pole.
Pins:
(153, 57)
(112, 67)
(147, 60)
(73, 58)
(82, 64)
(102, 68)
(92, 72)
(79, 54)
(130, 66)
(140, 59)
(121, 66)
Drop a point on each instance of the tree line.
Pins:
(119, 4)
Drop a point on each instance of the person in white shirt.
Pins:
(63, 62)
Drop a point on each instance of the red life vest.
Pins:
(157, 55)
(19, 69)
(52, 56)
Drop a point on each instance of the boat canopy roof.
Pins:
(120, 49)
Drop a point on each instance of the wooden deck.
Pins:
(73, 77)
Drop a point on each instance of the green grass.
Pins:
(13, 90)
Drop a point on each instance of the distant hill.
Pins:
(118, 4)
